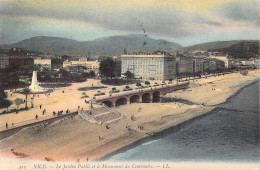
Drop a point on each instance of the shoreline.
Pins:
(174, 128)
(59, 141)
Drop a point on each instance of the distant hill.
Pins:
(245, 49)
(235, 48)
(113, 45)
(213, 45)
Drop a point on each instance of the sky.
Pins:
(186, 22)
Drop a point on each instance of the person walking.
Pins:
(6, 125)
(40, 106)
(36, 117)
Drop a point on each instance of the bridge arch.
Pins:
(108, 103)
(121, 101)
(156, 96)
(134, 99)
(146, 98)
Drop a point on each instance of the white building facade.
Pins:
(223, 57)
(149, 66)
(4, 61)
(90, 65)
(44, 62)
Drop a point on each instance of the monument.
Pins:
(34, 87)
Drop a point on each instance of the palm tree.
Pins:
(27, 92)
(18, 101)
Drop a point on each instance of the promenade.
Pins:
(70, 139)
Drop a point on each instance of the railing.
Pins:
(31, 121)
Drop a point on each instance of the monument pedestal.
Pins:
(34, 87)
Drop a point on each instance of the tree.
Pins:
(26, 92)
(5, 103)
(2, 94)
(18, 101)
(92, 73)
(107, 68)
(129, 75)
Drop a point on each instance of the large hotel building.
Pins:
(149, 65)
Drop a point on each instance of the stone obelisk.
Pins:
(34, 87)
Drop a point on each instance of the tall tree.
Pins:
(2, 93)
(92, 73)
(129, 75)
(107, 68)
(26, 92)
(18, 101)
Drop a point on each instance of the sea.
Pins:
(229, 133)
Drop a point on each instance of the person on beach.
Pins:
(6, 125)
(40, 106)
(36, 117)
(54, 113)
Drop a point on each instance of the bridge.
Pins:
(145, 95)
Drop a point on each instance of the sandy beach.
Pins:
(73, 138)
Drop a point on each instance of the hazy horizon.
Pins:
(131, 34)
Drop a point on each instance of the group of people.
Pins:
(140, 127)
(60, 112)
(6, 125)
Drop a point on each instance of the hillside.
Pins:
(246, 49)
(113, 45)
(213, 45)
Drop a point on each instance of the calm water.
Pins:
(228, 133)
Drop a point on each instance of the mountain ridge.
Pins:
(215, 45)
(113, 45)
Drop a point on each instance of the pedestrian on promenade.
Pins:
(36, 117)
(6, 125)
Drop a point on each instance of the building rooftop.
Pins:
(147, 53)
